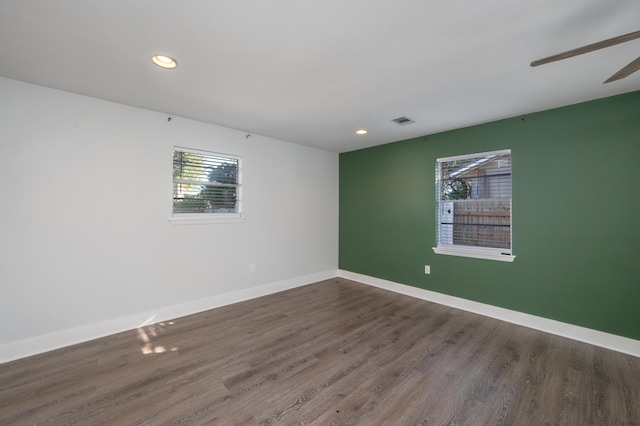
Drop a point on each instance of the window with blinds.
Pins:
(473, 205)
(205, 184)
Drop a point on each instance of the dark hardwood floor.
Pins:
(331, 353)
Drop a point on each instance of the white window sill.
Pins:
(474, 252)
(203, 219)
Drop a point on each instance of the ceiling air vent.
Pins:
(403, 120)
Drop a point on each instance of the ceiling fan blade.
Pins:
(588, 48)
(624, 72)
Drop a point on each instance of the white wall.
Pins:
(85, 238)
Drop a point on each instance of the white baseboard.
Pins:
(40, 344)
(582, 334)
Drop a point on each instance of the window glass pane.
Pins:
(474, 200)
(482, 223)
(476, 177)
(205, 183)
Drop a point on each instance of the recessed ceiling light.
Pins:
(361, 132)
(164, 61)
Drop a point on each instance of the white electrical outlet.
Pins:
(252, 267)
(427, 269)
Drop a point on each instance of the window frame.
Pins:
(488, 253)
(207, 217)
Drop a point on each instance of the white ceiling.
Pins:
(314, 71)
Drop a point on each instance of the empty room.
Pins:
(319, 213)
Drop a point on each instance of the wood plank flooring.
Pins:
(330, 353)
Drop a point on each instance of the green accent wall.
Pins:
(576, 215)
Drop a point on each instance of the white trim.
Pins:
(478, 253)
(39, 344)
(203, 218)
(478, 154)
(582, 334)
(206, 153)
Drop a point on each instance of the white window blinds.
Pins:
(205, 183)
(474, 202)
